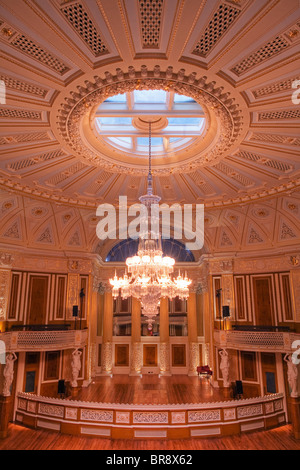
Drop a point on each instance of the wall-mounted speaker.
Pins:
(226, 311)
(75, 310)
(239, 387)
(61, 389)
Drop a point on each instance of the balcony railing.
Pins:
(43, 340)
(276, 341)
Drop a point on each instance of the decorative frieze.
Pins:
(205, 415)
(51, 410)
(252, 410)
(97, 415)
(150, 418)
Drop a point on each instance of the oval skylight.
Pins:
(119, 121)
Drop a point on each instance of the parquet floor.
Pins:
(152, 390)
(21, 438)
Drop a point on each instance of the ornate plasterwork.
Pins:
(193, 357)
(73, 293)
(136, 358)
(5, 277)
(107, 357)
(150, 418)
(51, 410)
(295, 281)
(82, 103)
(97, 415)
(252, 410)
(202, 416)
(164, 357)
(178, 417)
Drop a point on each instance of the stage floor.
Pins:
(178, 389)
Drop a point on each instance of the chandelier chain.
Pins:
(150, 156)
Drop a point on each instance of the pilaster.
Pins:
(164, 348)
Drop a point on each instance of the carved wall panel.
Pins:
(228, 292)
(5, 279)
(72, 293)
(295, 281)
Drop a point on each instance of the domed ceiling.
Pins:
(68, 66)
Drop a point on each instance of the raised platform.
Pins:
(153, 390)
(150, 407)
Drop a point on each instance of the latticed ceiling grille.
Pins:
(78, 17)
(151, 12)
(223, 18)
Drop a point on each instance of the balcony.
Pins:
(44, 340)
(256, 340)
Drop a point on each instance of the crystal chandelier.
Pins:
(148, 275)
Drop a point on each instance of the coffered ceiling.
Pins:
(239, 60)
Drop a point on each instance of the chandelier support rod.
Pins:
(149, 191)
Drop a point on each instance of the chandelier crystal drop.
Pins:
(148, 275)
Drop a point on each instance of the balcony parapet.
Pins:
(187, 420)
(18, 341)
(275, 341)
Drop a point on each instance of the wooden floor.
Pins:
(21, 438)
(177, 389)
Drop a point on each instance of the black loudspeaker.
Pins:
(239, 387)
(61, 389)
(75, 310)
(226, 311)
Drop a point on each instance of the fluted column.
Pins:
(192, 334)
(164, 347)
(107, 353)
(136, 345)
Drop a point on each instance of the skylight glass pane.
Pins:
(183, 99)
(114, 121)
(126, 140)
(184, 121)
(117, 99)
(150, 96)
(154, 141)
